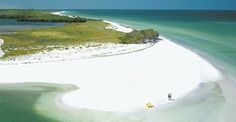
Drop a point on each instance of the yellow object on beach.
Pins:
(149, 105)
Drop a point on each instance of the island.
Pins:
(74, 32)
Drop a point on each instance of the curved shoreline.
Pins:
(207, 73)
(121, 28)
(152, 69)
(146, 73)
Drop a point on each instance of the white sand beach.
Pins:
(123, 82)
(118, 27)
(62, 13)
(113, 25)
(85, 51)
(59, 13)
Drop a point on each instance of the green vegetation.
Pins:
(35, 40)
(138, 37)
(37, 16)
(77, 31)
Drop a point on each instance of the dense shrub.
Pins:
(138, 37)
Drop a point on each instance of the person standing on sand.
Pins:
(169, 96)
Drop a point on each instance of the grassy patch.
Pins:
(35, 40)
(37, 16)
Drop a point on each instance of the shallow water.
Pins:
(11, 25)
(17, 102)
(36, 102)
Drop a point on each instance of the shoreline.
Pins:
(113, 25)
(60, 13)
(129, 84)
(118, 27)
(124, 81)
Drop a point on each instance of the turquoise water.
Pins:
(211, 34)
